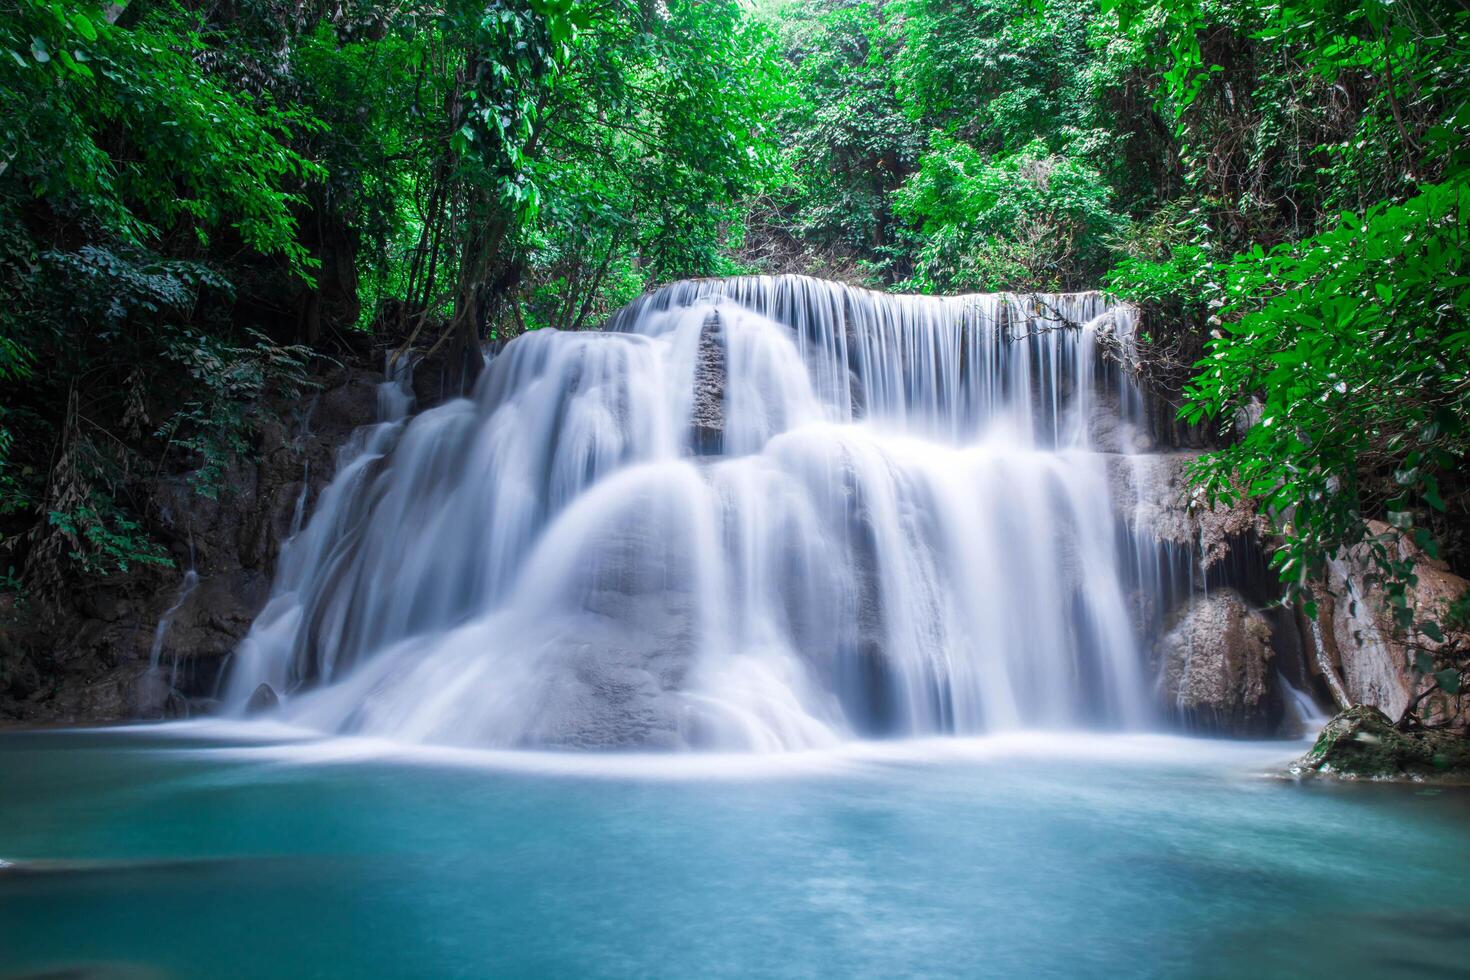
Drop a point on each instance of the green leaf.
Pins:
(84, 26)
(1448, 680)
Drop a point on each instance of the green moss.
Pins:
(1362, 743)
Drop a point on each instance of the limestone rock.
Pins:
(1109, 431)
(1152, 494)
(708, 421)
(1214, 666)
(1361, 743)
(450, 372)
(1357, 628)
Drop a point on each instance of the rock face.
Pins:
(1214, 667)
(1219, 658)
(1356, 628)
(1352, 649)
(708, 421)
(1152, 493)
(91, 661)
(449, 372)
(1361, 743)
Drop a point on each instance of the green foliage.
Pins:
(1325, 146)
(1355, 341)
(186, 190)
(846, 140)
(126, 166)
(512, 52)
(1028, 221)
(654, 136)
(958, 145)
(124, 130)
(213, 428)
(1001, 74)
(104, 541)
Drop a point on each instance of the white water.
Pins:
(900, 528)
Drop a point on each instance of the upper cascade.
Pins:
(938, 366)
(756, 513)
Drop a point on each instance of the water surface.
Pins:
(196, 851)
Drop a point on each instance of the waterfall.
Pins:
(757, 513)
(160, 632)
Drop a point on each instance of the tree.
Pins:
(1347, 326)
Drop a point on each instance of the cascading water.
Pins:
(160, 632)
(757, 513)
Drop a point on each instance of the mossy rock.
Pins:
(1361, 743)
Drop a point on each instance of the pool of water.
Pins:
(193, 851)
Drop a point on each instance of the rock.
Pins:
(350, 403)
(263, 698)
(449, 372)
(1107, 429)
(150, 696)
(89, 661)
(1214, 666)
(1361, 743)
(1152, 494)
(1248, 416)
(1355, 625)
(708, 421)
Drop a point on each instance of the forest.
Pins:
(203, 201)
(734, 488)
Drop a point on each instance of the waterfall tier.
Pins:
(756, 513)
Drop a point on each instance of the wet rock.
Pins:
(1214, 666)
(1361, 743)
(150, 696)
(1109, 432)
(1153, 495)
(447, 373)
(263, 698)
(708, 421)
(89, 661)
(350, 403)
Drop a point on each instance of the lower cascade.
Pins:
(763, 513)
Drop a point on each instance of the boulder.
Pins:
(263, 698)
(1214, 666)
(445, 373)
(1356, 626)
(1361, 743)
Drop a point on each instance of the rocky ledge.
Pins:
(1361, 743)
(90, 661)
